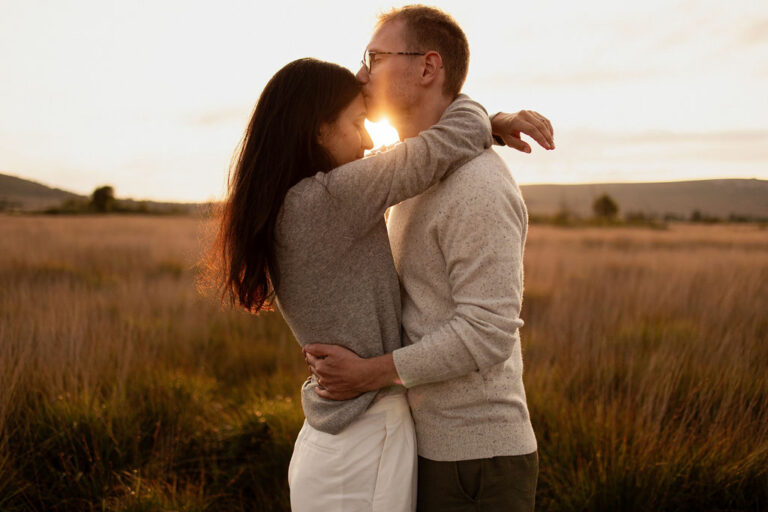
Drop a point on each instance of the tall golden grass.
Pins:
(647, 355)
(125, 389)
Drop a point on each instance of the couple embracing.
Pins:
(409, 325)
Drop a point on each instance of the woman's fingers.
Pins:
(549, 125)
(516, 143)
(536, 130)
(538, 127)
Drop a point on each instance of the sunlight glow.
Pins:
(614, 78)
(382, 133)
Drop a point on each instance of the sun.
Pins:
(382, 133)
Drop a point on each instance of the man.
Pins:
(458, 249)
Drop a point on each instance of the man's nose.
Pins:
(362, 75)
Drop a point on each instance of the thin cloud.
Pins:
(730, 145)
(757, 33)
(220, 116)
(654, 137)
(585, 77)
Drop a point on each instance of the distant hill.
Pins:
(718, 198)
(19, 194)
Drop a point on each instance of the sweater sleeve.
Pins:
(497, 140)
(362, 190)
(482, 242)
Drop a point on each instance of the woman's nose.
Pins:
(367, 141)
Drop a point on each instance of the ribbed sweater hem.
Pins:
(476, 441)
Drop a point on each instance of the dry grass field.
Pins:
(124, 389)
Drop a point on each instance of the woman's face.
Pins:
(346, 138)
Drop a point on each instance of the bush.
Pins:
(103, 199)
(605, 207)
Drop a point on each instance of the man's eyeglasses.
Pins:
(367, 61)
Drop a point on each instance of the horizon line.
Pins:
(563, 184)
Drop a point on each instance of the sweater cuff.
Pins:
(497, 141)
(415, 364)
(405, 371)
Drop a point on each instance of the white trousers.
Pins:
(370, 466)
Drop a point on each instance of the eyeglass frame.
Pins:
(367, 56)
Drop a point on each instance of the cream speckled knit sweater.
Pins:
(458, 249)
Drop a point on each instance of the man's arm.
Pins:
(482, 244)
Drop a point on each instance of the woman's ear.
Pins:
(322, 133)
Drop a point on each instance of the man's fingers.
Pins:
(311, 359)
(335, 396)
(325, 393)
(319, 349)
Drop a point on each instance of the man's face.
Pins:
(390, 88)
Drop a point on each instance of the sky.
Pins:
(152, 97)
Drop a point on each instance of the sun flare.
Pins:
(382, 133)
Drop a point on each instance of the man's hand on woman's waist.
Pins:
(342, 374)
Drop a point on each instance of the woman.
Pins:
(304, 224)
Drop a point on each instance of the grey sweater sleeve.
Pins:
(482, 243)
(362, 190)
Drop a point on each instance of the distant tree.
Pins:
(103, 199)
(70, 206)
(605, 207)
(735, 217)
(698, 216)
(636, 217)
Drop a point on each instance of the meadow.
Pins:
(125, 389)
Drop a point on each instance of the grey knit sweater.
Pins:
(337, 278)
(458, 249)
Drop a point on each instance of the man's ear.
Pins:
(433, 64)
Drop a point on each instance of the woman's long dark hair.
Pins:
(278, 150)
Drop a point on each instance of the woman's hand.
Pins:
(510, 126)
(341, 374)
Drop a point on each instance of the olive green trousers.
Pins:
(497, 484)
